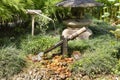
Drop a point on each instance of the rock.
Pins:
(77, 55)
(30, 72)
(62, 76)
(73, 23)
(86, 77)
(3, 79)
(69, 31)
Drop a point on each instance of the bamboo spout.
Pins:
(71, 37)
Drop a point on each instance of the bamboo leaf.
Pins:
(111, 0)
(117, 4)
(118, 16)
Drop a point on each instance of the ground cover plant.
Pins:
(34, 45)
(11, 61)
(100, 54)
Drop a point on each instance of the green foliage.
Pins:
(11, 62)
(100, 54)
(9, 8)
(99, 57)
(95, 64)
(77, 45)
(110, 9)
(42, 23)
(5, 42)
(100, 27)
(47, 6)
(14, 9)
(37, 44)
(116, 69)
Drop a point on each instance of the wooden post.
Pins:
(33, 21)
(65, 47)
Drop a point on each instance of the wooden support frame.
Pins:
(33, 13)
(65, 47)
(65, 41)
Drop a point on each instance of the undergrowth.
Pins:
(11, 61)
(100, 54)
(34, 45)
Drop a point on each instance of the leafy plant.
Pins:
(42, 22)
(110, 9)
(10, 62)
(10, 8)
(116, 69)
(36, 44)
(100, 54)
(95, 64)
(77, 45)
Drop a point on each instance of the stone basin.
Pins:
(77, 23)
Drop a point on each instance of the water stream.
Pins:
(48, 19)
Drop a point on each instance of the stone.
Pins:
(77, 55)
(77, 23)
(69, 31)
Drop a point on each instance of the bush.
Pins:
(5, 42)
(100, 28)
(10, 62)
(116, 69)
(95, 64)
(100, 55)
(36, 44)
(77, 45)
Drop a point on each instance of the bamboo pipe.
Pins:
(71, 37)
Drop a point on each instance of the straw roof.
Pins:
(78, 3)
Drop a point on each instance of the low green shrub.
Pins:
(95, 64)
(100, 27)
(77, 45)
(100, 55)
(6, 41)
(37, 43)
(11, 62)
(116, 69)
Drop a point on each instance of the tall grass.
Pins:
(36, 44)
(11, 61)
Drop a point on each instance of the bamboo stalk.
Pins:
(33, 21)
(71, 37)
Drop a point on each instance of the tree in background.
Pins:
(110, 10)
(15, 10)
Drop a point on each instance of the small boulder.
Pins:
(69, 31)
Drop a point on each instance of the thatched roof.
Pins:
(78, 3)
